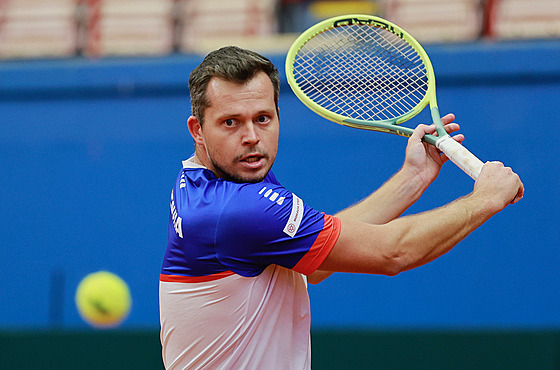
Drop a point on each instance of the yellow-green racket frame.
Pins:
(456, 152)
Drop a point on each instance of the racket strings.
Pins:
(383, 85)
(362, 72)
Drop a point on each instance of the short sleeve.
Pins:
(265, 224)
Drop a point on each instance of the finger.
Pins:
(448, 118)
(459, 138)
(516, 199)
(519, 194)
(451, 127)
(422, 130)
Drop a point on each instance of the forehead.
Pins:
(221, 91)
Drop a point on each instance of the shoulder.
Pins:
(259, 212)
(253, 207)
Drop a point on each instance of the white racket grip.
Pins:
(460, 155)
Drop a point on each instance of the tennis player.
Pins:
(242, 248)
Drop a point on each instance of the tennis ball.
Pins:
(103, 299)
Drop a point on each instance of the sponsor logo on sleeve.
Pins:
(292, 226)
(296, 216)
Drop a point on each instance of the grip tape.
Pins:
(460, 155)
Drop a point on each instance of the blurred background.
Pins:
(93, 105)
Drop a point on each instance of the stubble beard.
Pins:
(235, 177)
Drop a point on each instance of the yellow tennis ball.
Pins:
(103, 299)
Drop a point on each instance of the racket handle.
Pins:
(460, 155)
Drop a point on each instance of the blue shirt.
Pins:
(219, 227)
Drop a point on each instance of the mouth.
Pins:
(253, 160)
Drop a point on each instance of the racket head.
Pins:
(361, 71)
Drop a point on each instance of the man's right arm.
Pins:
(408, 242)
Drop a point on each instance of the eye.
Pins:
(263, 119)
(229, 122)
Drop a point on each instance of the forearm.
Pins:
(388, 202)
(406, 242)
(424, 237)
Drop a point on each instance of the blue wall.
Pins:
(89, 151)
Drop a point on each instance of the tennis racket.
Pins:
(365, 72)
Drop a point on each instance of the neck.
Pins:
(201, 157)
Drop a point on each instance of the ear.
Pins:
(195, 129)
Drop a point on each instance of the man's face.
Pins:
(240, 130)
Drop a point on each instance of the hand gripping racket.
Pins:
(365, 72)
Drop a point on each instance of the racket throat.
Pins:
(437, 118)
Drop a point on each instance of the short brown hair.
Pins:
(232, 64)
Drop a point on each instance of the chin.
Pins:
(240, 174)
(247, 177)
(252, 178)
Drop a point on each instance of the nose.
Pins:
(250, 135)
